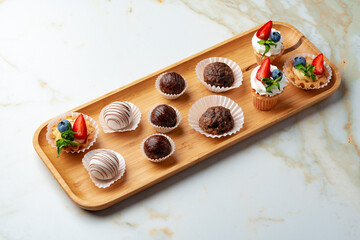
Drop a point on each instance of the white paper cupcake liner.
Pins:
(159, 159)
(165, 129)
(132, 126)
(165, 95)
(201, 105)
(54, 121)
(238, 76)
(104, 183)
(326, 66)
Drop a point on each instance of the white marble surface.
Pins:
(297, 180)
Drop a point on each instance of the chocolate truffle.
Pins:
(216, 120)
(218, 74)
(163, 115)
(172, 83)
(104, 165)
(117, 115)
(157, 146)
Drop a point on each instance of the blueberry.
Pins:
(63, 125)
(299, 60)
(275, 36)
(276, 74)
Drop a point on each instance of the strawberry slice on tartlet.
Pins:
(80, 127)
(318, 63)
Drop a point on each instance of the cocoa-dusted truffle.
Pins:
(157, 146)
(216, 120)
(163, 115)
(172, 83)
(218, 74)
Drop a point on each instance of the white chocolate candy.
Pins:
(117, 115)
(104, 165)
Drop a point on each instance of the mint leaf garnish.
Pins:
(68, 134)
(269, 82)
(61, 143)
(308, 71)
(267, 44)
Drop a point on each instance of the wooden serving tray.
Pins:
(191, 146)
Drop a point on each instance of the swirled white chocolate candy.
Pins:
(117, 115)
(104, 165)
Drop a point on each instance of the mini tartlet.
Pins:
(171, 85)
(72, 132)
(267, 83)
(307, 71)
(157, 147)
(119, 117)
(164, 118)
(267, 42)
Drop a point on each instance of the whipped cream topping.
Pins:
(104, 165)
(261, 48)
(260, 88)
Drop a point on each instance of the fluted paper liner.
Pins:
(136, 117)
(238, 76)
(54, 121)
(166, 95)
(165, 129)
(163, 158)
(264, 103)
(104, 183)
(201, 105)
(326, 66)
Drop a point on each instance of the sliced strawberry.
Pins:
(80, 127)
(264, 70)
(318, 62)
(264, 32)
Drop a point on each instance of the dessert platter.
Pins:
(138, 135)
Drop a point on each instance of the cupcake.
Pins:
(219, 74)
(164, 118)
(158, 147)
(72, 132)
(119, 117)
(171, 85)
(307, 71)
(104, 166)
(216, 120)
(267, 42)
(267, 83)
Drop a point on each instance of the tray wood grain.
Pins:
(191, 147)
